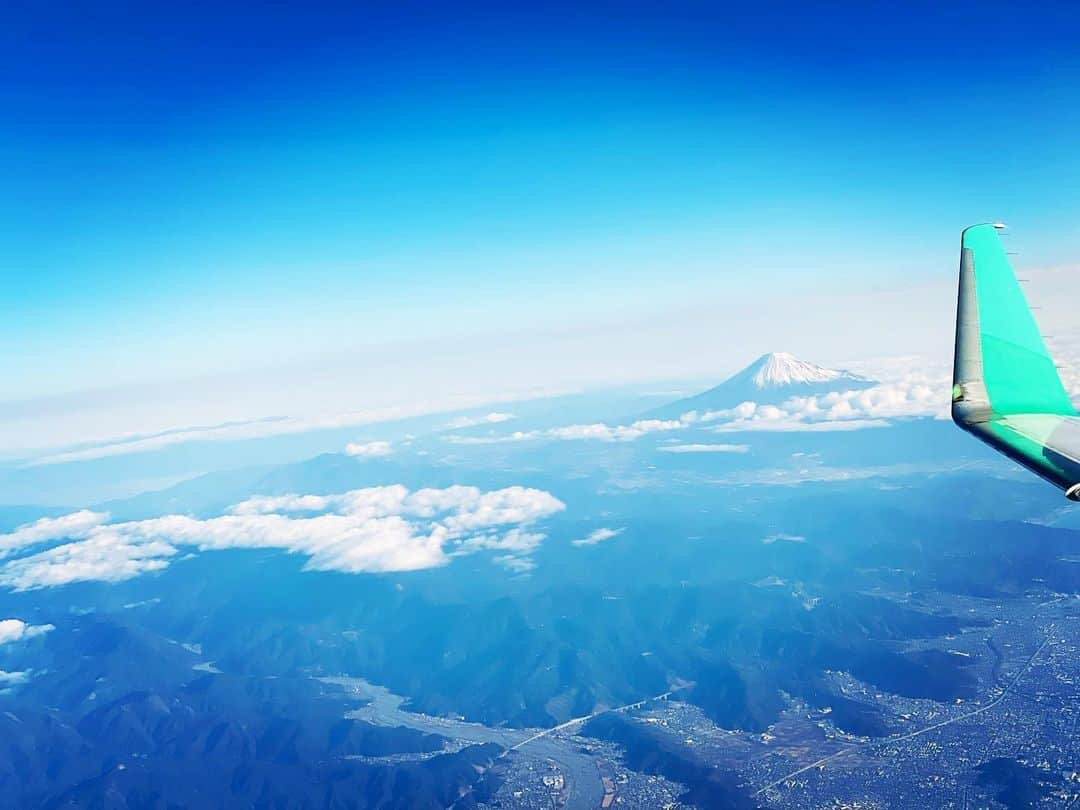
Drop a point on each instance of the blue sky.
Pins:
(212, 192)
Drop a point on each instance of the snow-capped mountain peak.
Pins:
(780, 368)
(771, 379)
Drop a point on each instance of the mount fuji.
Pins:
(770, 380)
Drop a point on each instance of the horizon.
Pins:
(547, 406)
(267, 230)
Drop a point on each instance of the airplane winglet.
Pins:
(1006, 388)
(998, 343)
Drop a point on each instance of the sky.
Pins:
(230, 211)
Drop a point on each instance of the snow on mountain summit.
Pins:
(780, 368)
(771, 379)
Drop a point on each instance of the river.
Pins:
(583, 790)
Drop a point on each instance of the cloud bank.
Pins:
(705, 448)
(598, 536)
(912, 394)
(8, 679)
(493, 418)
(76, 524)
(783, 537)
(18, 630)
(376, 529)
(594, 430)
(369, 450)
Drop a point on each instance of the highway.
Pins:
(576, 720)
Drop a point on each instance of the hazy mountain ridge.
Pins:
(134, 721)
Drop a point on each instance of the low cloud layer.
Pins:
(598, 536)
(377, 529)
(9, 679)
(915, 395)
(493, 418)
(515, 565)
(76, 524)
(705, 448)
(594, 430)
(787, 423)
(783, 537)
(369, 450)
(12, 630)
(619, 433)
(910, 394)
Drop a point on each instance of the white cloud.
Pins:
(517, 544)
(108, 557)
(71, 526)
(618, 433)
(18, 630)
(493, 418)
(912, 394)
(794, 424)
(595, 430)
(143, 603)
(376, 529)
(516, 436)
(705, 448)
(795, 475)
(369, 450)
(517, 565)
(597, 536)
(846, 410)
(915, 395)
(13, 678)
(780, 536)
(268, 504)
(515, 541)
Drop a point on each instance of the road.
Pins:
(584, 789)
(576, 720)
(892, 740)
